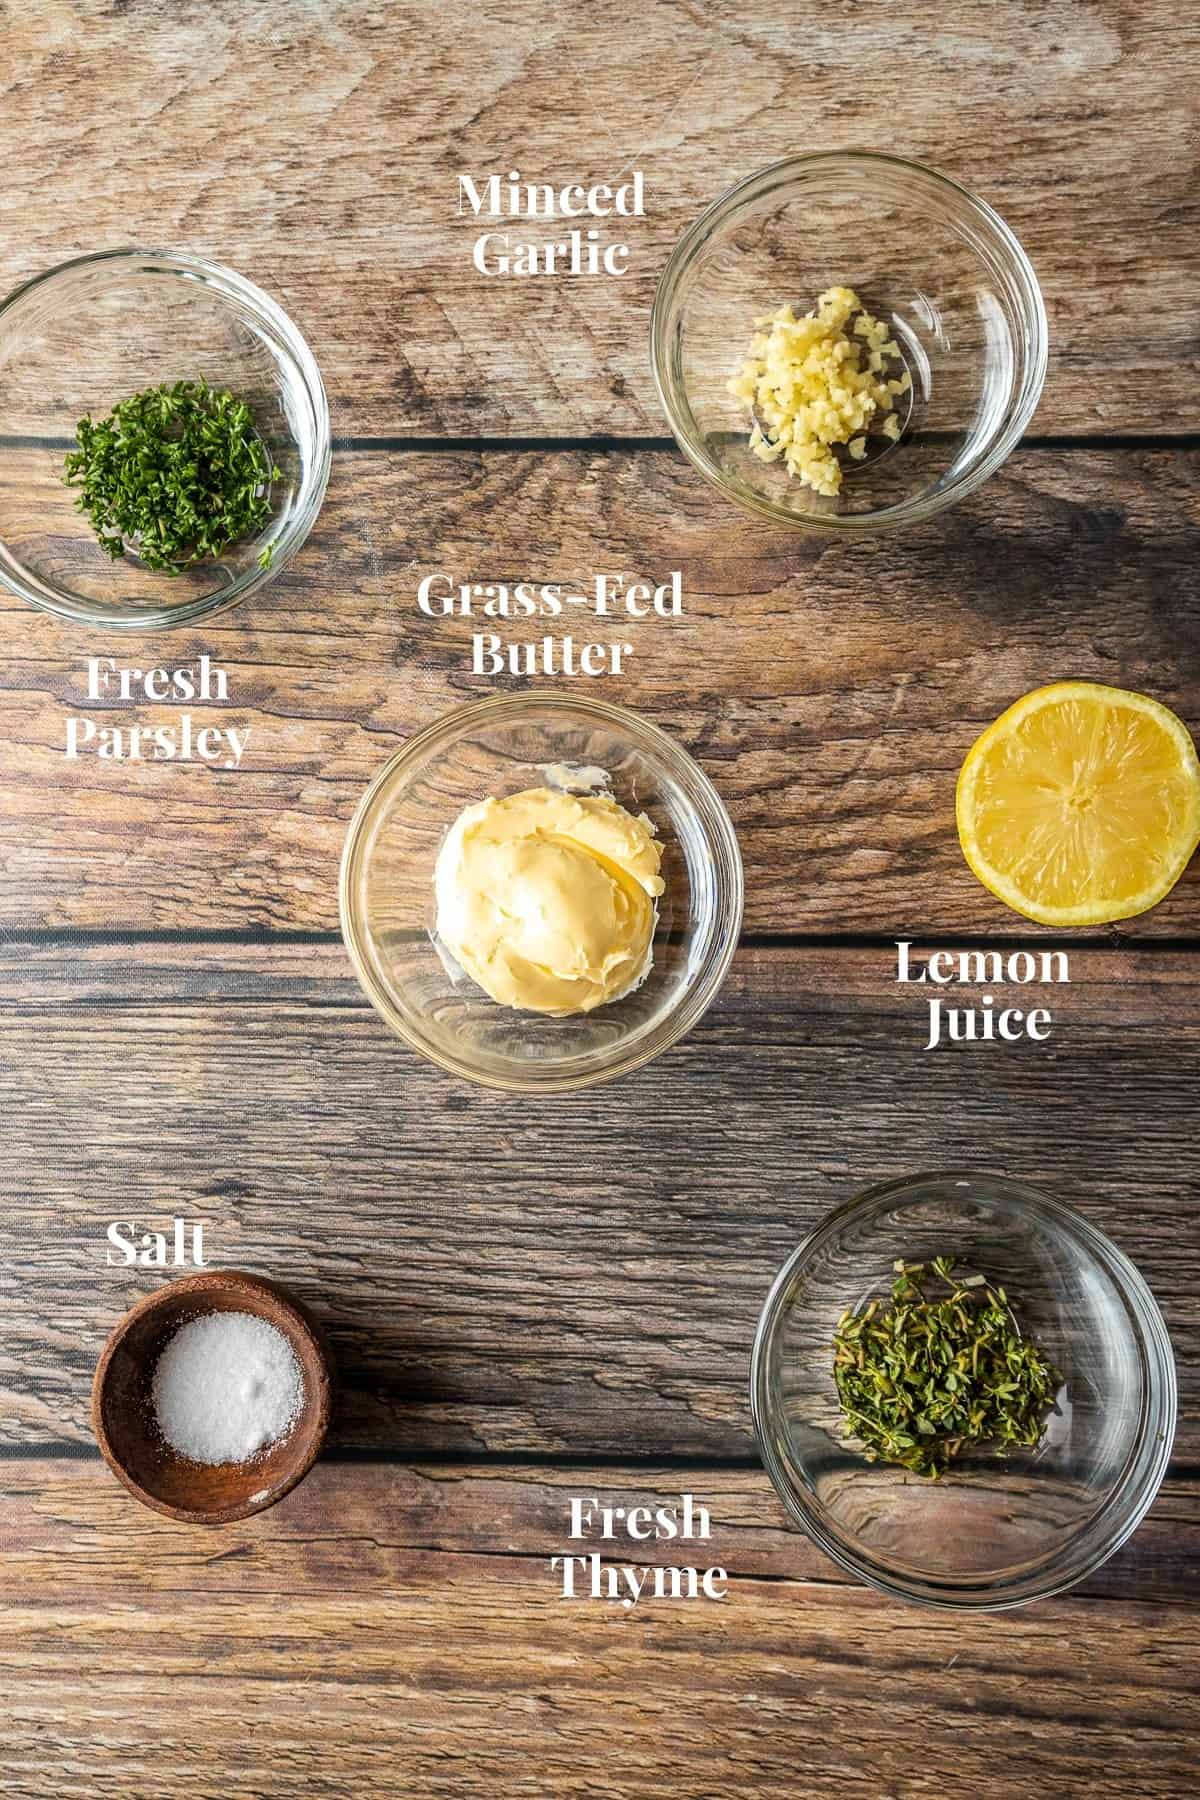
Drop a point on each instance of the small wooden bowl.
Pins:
(123, 1410)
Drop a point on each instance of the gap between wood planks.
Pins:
(565, 1461)
(102, 936)
(1132, 440)
(608, 441)
(70, 1450)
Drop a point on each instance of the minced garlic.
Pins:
(818, 381)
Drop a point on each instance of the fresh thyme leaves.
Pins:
(922, 1379)
(176, 474)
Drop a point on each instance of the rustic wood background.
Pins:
(532, 1301)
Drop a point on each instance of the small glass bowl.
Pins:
(993, 1532)
(498, 746)
(925, 256)
(87, 334)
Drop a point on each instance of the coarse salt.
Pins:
(226, 1387)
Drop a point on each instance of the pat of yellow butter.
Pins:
(547, 899)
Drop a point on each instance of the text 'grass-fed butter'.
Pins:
(182, 739)
(439, 596)
(582, 251)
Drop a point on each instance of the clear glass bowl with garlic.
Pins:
(541, 892)
(963, 336)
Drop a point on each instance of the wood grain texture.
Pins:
(532, 1301)
(830, 691)
(579, 1277)
(317, 148)
(423, 1649)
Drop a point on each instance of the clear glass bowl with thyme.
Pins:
(963, 1390)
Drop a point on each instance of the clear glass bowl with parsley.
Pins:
(164, 439)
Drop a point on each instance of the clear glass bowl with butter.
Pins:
(933, 263)
(506, 746)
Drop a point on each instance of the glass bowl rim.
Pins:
(1141, 1476)
(919, 506)
(226, 282)
(691, 1007)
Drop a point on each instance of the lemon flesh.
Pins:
(1081, 804)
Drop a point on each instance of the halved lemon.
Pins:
(1081, 804)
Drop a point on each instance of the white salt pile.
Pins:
(226, 1386)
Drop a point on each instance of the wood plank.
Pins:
(575, 1277)
(499, 1509)
(318, 152)
(830, 691)
(424, 1649)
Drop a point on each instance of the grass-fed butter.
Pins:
(547, 899)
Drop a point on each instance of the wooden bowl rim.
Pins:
(295, 1321)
